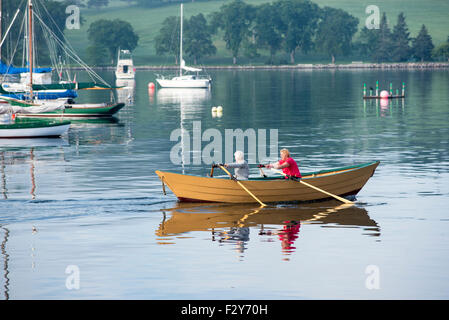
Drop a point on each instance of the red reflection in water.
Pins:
(288, 235)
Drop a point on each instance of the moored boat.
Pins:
(98, 110)
(125, 67)
(184, 80)
(33, 128)
(346, 181)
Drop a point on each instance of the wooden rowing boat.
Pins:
(346, 181)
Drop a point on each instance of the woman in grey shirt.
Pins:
(241, 168)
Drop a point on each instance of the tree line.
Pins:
(283, 27)
(293, 26)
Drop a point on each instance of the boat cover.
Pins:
(31, 109)
(5, 69)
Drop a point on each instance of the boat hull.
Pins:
(34, 129)
(80, 111)
(120, 75)
(196, 83)
(343, 182)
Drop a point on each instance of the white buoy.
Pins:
(219, 109)
(214, 109)
(384, 94)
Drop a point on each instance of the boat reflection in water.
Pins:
(126, 91)
(233, 223)
(191, 103)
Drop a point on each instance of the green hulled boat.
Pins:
(80, 111)
(33, 128)
(52, 109)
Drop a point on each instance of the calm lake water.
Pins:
(84, 216)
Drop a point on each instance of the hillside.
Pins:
(147, 22)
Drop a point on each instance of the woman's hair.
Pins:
(239, 155)
(286, 152)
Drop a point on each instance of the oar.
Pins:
(241, 185)
(318, 189)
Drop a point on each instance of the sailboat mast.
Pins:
(30, 45)
(180, 47)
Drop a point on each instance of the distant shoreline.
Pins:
(317, 66)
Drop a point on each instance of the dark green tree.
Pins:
(267, 28)
(112, 35)
(442, 51)
(97, 55)
(422, 45)
(335, 32)
(366, 42)
(167, 41)
(384, 46)
(197, 39)
(401, 50)
(234, 19)
(299, 22)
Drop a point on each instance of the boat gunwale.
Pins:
(306, 176)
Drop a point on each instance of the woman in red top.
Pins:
(287, 164)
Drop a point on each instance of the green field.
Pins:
(147, 22)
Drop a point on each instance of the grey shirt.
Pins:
(241, 170)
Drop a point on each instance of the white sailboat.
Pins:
(125, 67)
(185, 80)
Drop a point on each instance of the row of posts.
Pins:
(377, 90)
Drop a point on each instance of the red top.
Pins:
(292, 169)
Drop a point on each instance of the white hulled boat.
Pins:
(185, 80)
(125, 67)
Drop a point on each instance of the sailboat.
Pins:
(185, 80)
(32, 96)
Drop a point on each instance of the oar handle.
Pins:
(260, 166)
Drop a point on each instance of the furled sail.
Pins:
(186, 68)
(31, 109)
